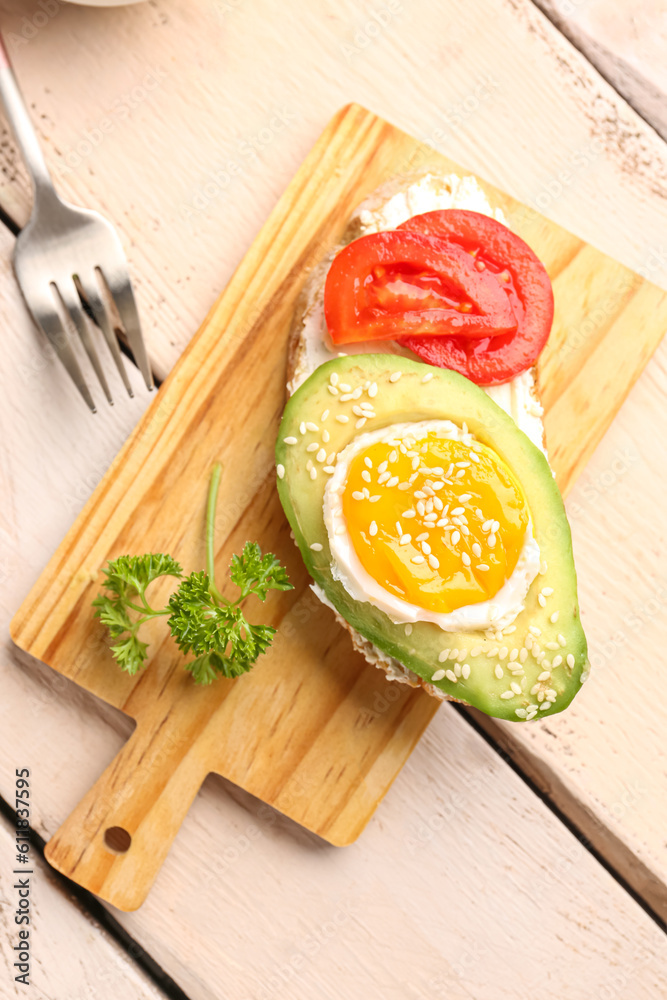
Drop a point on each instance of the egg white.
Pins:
(346, 567)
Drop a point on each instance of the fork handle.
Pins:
(19, 119)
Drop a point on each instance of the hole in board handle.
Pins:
(117, 839)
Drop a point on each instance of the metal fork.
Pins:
(64, 258)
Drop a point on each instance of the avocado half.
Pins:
(545, 659)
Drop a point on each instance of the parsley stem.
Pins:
(146, 610)
(210, 532)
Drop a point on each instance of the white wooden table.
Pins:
(541, 874)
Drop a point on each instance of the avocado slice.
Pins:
(544, 659)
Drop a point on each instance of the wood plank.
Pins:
(70, 955)
(612, 197)
(590, 163)
(626, 43)
(290, 720)
(462, 885)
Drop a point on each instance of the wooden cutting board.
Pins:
(312, 730)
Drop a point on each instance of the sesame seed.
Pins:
(329, 469)
(313, 473)
(321, 455)
(393, 456)
(544, 706)
(408, 629)
(421, 509)
(476, 650)
(373, 528)
(491, 541)
(404, 486)
(426, 548)
(523, 655)
(569, 659)
(442, 656)
(552, 645)
(290, 440)
(543, 567)
(482, 567)
(326, 437)
(420, 495)
(514, 653)
(458, 510)
(476, 549)
(357, 392)
(372, 389)
(434, 562)
(456, 536)
(346, 397)
(430, 518)
(520, 712)
(544, 676)
(415, 464)
(344, 387)
(535, 630)
(465, 558)
(302, 427)
(316, 547)
(509, 629)
(333, 390)
(280, 470)
(331, 458)
(375, 498)
(313, 446)
(405, 539)
(465, 497)
(409, 513)
(310, 426)
(393, 482)
(557, 660)
(502, 653)
(492, 652)
(394, 377)
(487, 526)
(309, 465)
(561, 640)
(342, 418)
(554, 617)
(324, 416)
(365, 475)
(333, 378)
(499, 672)
(417, 560)
(508, 694)
(465, 671)
(399, 528)
(453, 653)
(360, 423)
(438, 675)
(451, 676)
(368, 463)
(427, 377)
(547, 591)
(516, 687)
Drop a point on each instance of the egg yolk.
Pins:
(437, 522)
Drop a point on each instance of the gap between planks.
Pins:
(93, 908)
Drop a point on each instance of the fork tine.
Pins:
(51, 326)
(90, 290)
(123, 298)
(70, 299)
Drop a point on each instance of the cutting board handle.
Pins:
(116, 839)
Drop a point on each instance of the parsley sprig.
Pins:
(200, 619)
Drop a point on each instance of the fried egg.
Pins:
(429, 524)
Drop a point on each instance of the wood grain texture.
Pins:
(96, 966)
(626, 43)
(547, 112)
(300, 720)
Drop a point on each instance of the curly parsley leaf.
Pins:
(201, 620)
(129, 576)
(130, 653)
(256, 574)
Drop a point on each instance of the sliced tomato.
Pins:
(387, 284)
(505, 255)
